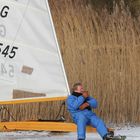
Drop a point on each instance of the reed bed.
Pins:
(101, 50)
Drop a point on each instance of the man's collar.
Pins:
(77, 94)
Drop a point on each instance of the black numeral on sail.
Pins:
(0, 45)
(13, 52)
(5, 51)
(8, 51)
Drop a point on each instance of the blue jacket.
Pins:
(86, 116)
(73, 103)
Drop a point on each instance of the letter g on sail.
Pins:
(4, 11)
(2, 30)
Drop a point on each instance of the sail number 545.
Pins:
(8, 51)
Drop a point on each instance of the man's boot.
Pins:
(109, 136)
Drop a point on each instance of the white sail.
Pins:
(30, 59)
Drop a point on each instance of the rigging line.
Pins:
(5, 108)
(60, 109)
(64, 109)
(58, 49)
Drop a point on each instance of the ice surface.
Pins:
(132, 133)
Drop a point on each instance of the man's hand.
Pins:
(83, 106)
(85, 94)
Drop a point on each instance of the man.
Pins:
(79, 104)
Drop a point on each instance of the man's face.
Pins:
(79, 89)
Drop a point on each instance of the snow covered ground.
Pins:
(132, 133)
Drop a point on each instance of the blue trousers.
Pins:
(88, 118)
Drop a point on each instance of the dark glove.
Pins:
(83, 106)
